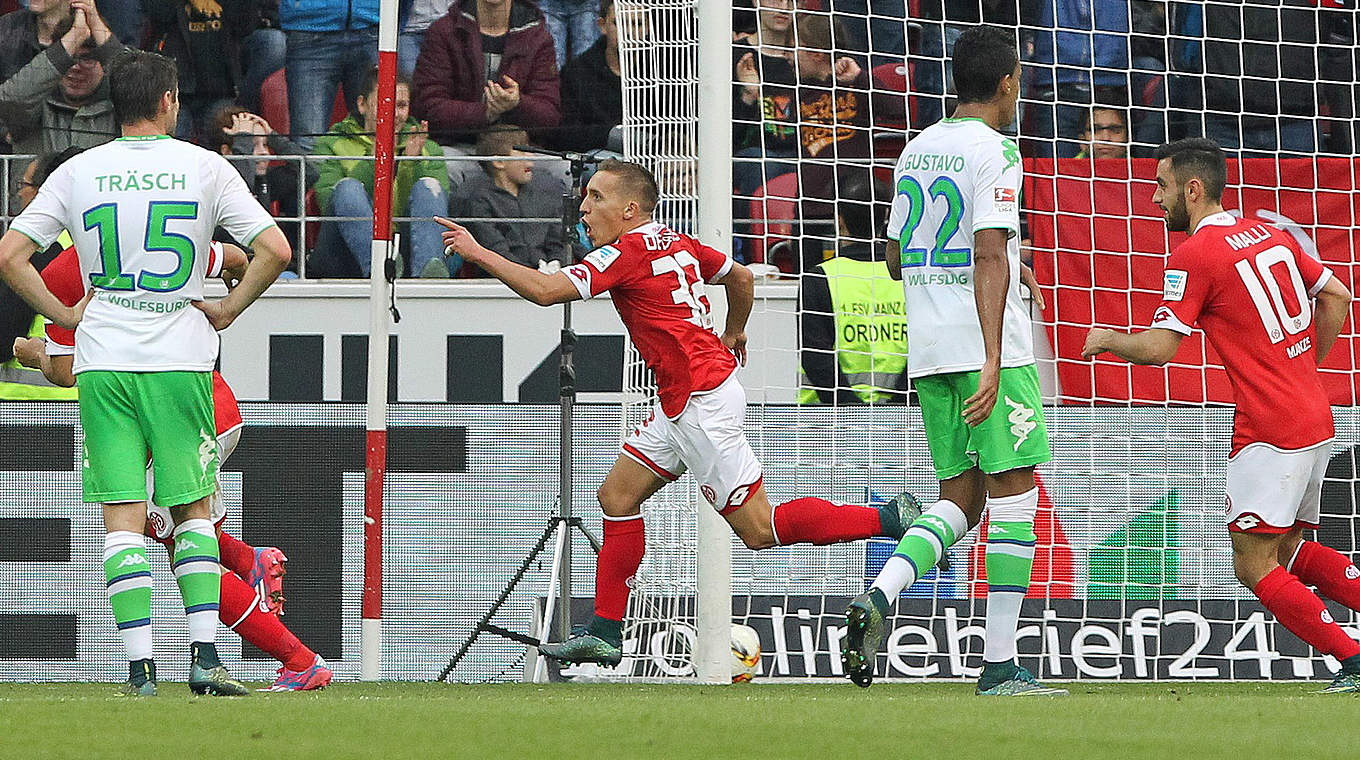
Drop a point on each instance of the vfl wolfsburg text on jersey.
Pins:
(957, 177)
(142, 213)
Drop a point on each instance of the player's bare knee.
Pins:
(615, 503)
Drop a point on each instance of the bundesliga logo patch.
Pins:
(1003, 199)
(1173, 284)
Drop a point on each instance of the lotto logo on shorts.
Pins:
(1352, 572)
(709, 494)
(1327, 617)
(1247, 522)
(157, 523)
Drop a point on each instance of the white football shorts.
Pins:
(1271, 490)
(709, 440)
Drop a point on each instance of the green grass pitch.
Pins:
(889, 721)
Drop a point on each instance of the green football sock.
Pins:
(1010, 558)
(928, 537)
(199, 577)
(128, 576)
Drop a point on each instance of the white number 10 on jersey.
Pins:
(1265, 292)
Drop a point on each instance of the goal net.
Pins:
(1132, 577)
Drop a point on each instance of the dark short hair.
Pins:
(499, 142)
(221, 120)
(983, 56)
(137, 80)
(1197, 158)
(48, 163)
(856, 204)
(1091, 114)
(370, 82)
(605, 7)
(638, 181)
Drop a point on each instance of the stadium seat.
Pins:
(774, 210)
(274, 103)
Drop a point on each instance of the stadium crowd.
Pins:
(822, 90)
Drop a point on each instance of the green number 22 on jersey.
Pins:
(941, 255)
(111, 276)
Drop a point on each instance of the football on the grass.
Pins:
(745, 653)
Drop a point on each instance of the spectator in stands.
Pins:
(573, 25)
(423, 13)
(484, 63)
(345, 189)
(877, 27)
(17, 318)
(60, 98)
(237, 133)
(1267, 67)
(1105, 134)
(765, 98)
(125, 18)
(592, 91)
(835, 112)
(28, 31)
(330, 43)
(1078, 55)
(853, 316)
(203, 38)
(941, 23)
(507, 191)
(263, 52)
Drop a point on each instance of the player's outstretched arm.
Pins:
(17, 271)
(272, 254)
(530, 284)
(1152, 346)
(32, 353)
(741, 296)
(1333, 306)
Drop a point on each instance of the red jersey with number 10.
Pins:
(1249, 286)
(656, 278)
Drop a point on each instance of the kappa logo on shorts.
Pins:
(207, 449)
(709, 494)
(1022, 421)
(1352, 572)
(1247, 522)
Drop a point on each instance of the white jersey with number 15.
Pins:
(957, 177)
(142, 212)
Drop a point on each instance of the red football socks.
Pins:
(1299, 610)
(818, 521)
(240, 611)
(236, 555)
(620, 555)
(1332, 572)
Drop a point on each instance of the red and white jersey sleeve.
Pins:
(62, 277)
(597, 272)
(226, 412)
(656, 278)
(1250, 287)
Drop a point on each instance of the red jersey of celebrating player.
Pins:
(1249, 287)
(62, 277)
(656, 277)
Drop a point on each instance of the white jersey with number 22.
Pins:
(957, 177)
